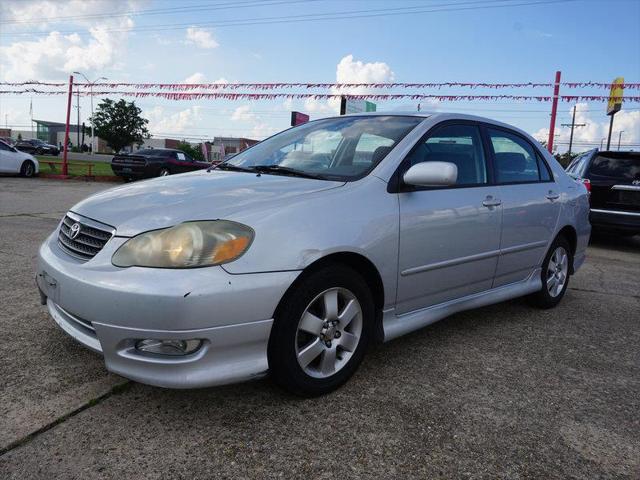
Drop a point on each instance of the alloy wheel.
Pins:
(328, 332)
(557, 271)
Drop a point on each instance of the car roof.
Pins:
(438, 117)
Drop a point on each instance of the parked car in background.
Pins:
(37, 147)
(297, 253)
(613, 178)
(15, 161)
(154, 162)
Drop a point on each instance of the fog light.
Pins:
(168, 347)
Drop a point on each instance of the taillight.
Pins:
(587, 183)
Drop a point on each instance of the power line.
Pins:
(313, 17)
(159, 11)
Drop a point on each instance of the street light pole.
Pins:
(619, 138)
(93, 138)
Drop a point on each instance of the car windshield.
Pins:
(344, 148)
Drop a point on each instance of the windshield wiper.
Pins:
(285, 171)
(229, 166)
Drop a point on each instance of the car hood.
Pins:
(167, 201)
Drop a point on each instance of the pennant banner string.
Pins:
(321, 96)
(273, 86)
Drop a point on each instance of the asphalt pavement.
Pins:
(505, 391)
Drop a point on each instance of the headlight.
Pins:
(188, 245)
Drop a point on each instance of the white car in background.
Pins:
(15, 161)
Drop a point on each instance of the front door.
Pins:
(530, 205)
(449, 237)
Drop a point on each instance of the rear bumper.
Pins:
(628, 222)
(133, 171)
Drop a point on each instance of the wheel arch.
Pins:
(361, 265)
(570, 234)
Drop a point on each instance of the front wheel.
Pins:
(164, 172)
(555, 275)
(321, 331)
(28, 169)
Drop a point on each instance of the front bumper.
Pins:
(108, 309)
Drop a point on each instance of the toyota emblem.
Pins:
(74, 231)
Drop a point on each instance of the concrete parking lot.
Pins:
(505, 391)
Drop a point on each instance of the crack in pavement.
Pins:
(115, 390)
(587, 290)
(34, 215)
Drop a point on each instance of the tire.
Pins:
(555, 275)
(335, 349)
(28, 169)
(164, 172)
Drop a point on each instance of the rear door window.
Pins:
(515, 158)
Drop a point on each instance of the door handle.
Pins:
(491, 202)
(553, 195)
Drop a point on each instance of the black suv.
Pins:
(613, 178)
(154, 162)
(37, 147)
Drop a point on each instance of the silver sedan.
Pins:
(298, 253)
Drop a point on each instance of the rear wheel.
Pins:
(554, 275)
(321, 332)
(28, 169)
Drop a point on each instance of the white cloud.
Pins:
(179, 122)
(195, 78)
(349, 70)
(55, 55)
(243, 113)
(201, 38)
(594, 131)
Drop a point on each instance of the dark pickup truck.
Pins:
(613, 178)
(154, 162)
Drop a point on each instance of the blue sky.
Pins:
(588, 40)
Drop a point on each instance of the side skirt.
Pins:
(397, 325)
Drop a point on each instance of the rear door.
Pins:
(615, 182)
(530, 204)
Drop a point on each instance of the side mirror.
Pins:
(431, 174)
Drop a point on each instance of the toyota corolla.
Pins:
(295, 255)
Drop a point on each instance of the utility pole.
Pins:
(619, 138)
(65, 170)
(91, 84)
(572, 125)
(78, 126)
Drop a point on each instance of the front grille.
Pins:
(89, 240)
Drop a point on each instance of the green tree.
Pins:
(120, 123)
(193, 152)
